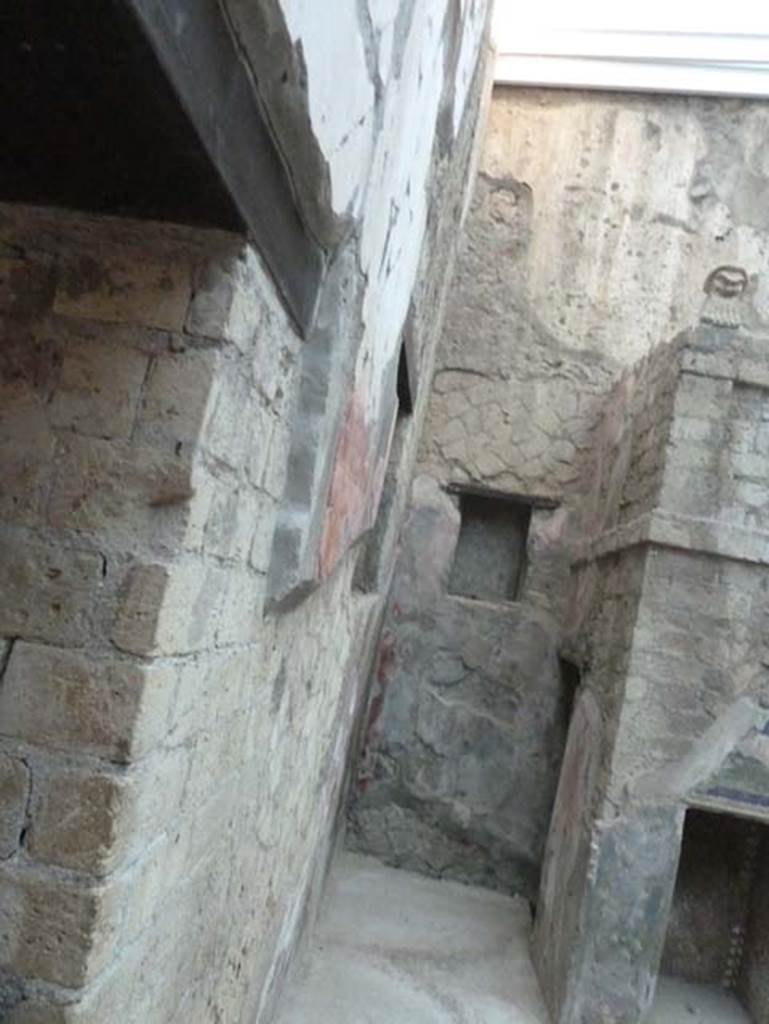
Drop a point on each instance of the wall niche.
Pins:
(490, 557)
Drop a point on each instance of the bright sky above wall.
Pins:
(658, 45)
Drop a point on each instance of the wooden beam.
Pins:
(195, 47)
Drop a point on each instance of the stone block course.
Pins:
(226, 435)
(74, 818)
(176, 397)
(71, 701)
(170, 609)
(120, 285)
(135, 494)
(52, 929)
(50, 592)
(97, 389)
(95, 819)
(234, 516)
(224, 304)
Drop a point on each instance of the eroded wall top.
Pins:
(635, 199)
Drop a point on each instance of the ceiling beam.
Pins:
(198, 53)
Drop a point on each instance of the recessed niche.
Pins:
(716, 939)
(571, 678)
(490, 558)
(368, 571)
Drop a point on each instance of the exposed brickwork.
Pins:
(152, 725)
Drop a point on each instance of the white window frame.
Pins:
(638, 60)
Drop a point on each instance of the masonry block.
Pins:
(227, 435)
(170, 609)
(177, 396)
(263, 527)
(48, 591)
(214, 687)
(226, 304)
(14, 792)
(98, 388)
(124, 492)
(242, 607)
(125, 286)
(26, 467)
(268, 450)
(66, 700)
(138, 617)
(74, 818)
(231, 519)
(92, 819)
(53, 930)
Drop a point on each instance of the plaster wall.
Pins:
(635, 199)
(594, 223)
(360, 158)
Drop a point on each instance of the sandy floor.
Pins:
(395, 948)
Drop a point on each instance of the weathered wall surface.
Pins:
(173, 746)
(674, 692)
(461, 690)
(635, 199)
(595, 220)
(368, 149)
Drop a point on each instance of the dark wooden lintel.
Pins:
(198, 53)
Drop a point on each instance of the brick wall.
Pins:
(170, 759)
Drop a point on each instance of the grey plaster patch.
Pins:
(327, 361)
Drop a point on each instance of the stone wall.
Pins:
(175, 735)
(595, 221)
(672, 591)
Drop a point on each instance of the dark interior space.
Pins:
(92, 122)
(571, 678)
(368, 572)
(717, 932)
(404, 384)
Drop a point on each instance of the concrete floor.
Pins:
(678, 1002)
(396, 948)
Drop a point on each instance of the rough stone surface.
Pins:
(671, 607)
(66, 700)
(595, 220)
